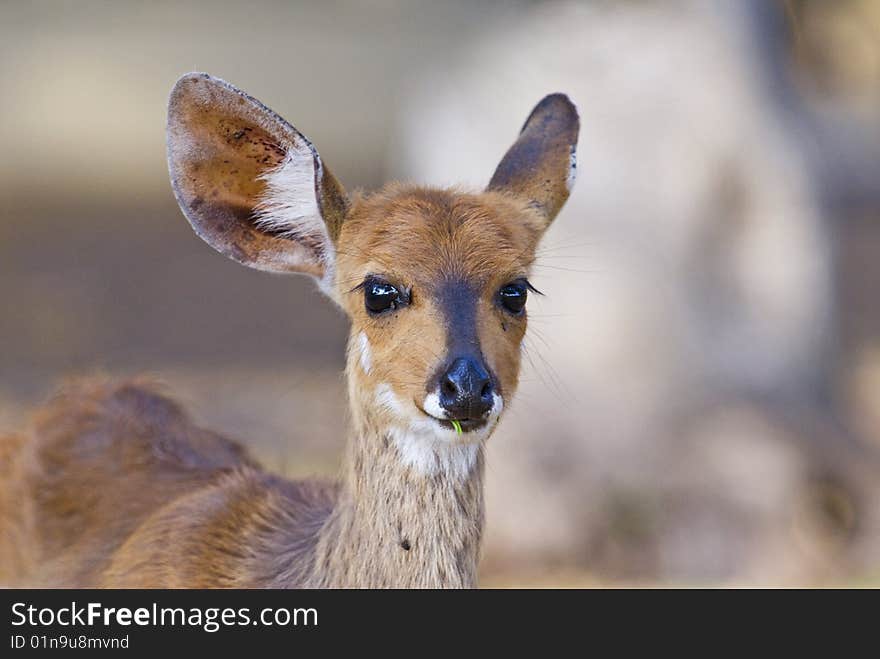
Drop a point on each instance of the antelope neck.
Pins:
(396, 526)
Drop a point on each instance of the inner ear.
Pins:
(251, 185)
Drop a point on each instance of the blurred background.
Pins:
(701, 396)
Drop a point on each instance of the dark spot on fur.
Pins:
(238, 253)
(405, 544)
(537, 205)
(195, 203)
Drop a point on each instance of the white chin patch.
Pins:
(431, 405)
(428, 447)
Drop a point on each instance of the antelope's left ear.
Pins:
(540, 166)
(251, 185)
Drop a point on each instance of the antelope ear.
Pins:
(249, 183)
(540, 166)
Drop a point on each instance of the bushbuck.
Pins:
(116, 487)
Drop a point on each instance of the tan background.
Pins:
(100, 272)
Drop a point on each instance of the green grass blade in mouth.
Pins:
(457, 425)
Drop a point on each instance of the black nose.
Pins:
(466, 390)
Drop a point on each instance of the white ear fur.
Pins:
(289, 208)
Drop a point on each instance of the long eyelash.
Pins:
(370, 278)
(530, 287)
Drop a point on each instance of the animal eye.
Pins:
(513, 297)
(380, 296)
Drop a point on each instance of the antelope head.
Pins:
(434, 281)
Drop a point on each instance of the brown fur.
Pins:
(114, 486)
(117, 488)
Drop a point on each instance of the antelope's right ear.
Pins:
(249, 183)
